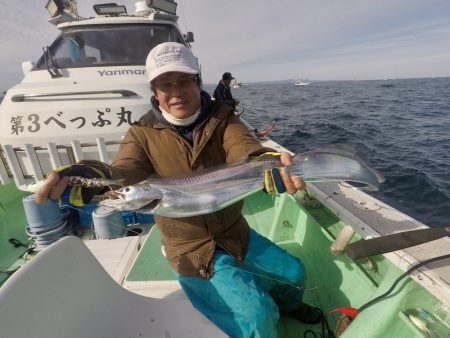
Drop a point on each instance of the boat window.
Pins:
(108, 45)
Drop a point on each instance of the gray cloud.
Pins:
(263, 41)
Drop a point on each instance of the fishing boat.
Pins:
(84, 84)
(301, 83)
(237, 84)
(82, 282)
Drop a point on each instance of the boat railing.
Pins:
(36, 96)
(28, 164)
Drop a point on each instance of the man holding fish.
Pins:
(234, 276)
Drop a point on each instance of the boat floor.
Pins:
(135, 262)
(12, 226)
(371, 217)
(305, 232)
(145, 271)
(152, 276)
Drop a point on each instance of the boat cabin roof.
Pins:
(95, 43)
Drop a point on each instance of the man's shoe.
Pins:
(307, 314)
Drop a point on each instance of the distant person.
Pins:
(223, 91)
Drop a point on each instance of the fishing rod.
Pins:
(393, 242)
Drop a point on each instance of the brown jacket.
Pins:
(154, 148)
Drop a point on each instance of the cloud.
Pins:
(263, 41)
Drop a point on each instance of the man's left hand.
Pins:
(291, 183)
(277, 181)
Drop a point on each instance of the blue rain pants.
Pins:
(244, 300)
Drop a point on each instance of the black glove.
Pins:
(77, 195)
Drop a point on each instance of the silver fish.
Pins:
(216, 188)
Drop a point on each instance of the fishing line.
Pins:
(281, 281)
(245, 270)
(17, 243)
(109, 222)
(326, 331)
(414, 267)
(184, 17)
(8, 274)
(263, 276)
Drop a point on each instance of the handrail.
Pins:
(4, 176)
(12, 164)
(62, 146)
(23, 97)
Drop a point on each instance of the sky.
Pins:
(260, 40)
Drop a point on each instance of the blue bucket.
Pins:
(145, 218)
(46, 222)
(108, 223)
(130, 217)
(42, 216)
(85, 214)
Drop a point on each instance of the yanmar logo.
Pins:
(122, 72)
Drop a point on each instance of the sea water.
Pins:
(401, 127)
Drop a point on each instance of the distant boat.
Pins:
(237, 84)
(301, 83)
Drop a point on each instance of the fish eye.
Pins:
(127, 189)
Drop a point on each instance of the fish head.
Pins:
(138, 197)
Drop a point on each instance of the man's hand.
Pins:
(277, 181)
(291, 183)
(53, 188)
(58, 179)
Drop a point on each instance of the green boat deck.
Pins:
(12, 226)
(306, 229)
(151, 265)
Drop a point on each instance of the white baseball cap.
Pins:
(170, 57)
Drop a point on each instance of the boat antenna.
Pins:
(185, 22)
(189, 36)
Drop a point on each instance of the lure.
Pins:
(93, 182)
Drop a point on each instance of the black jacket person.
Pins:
(222, 93)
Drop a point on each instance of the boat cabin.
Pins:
(90, 84)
